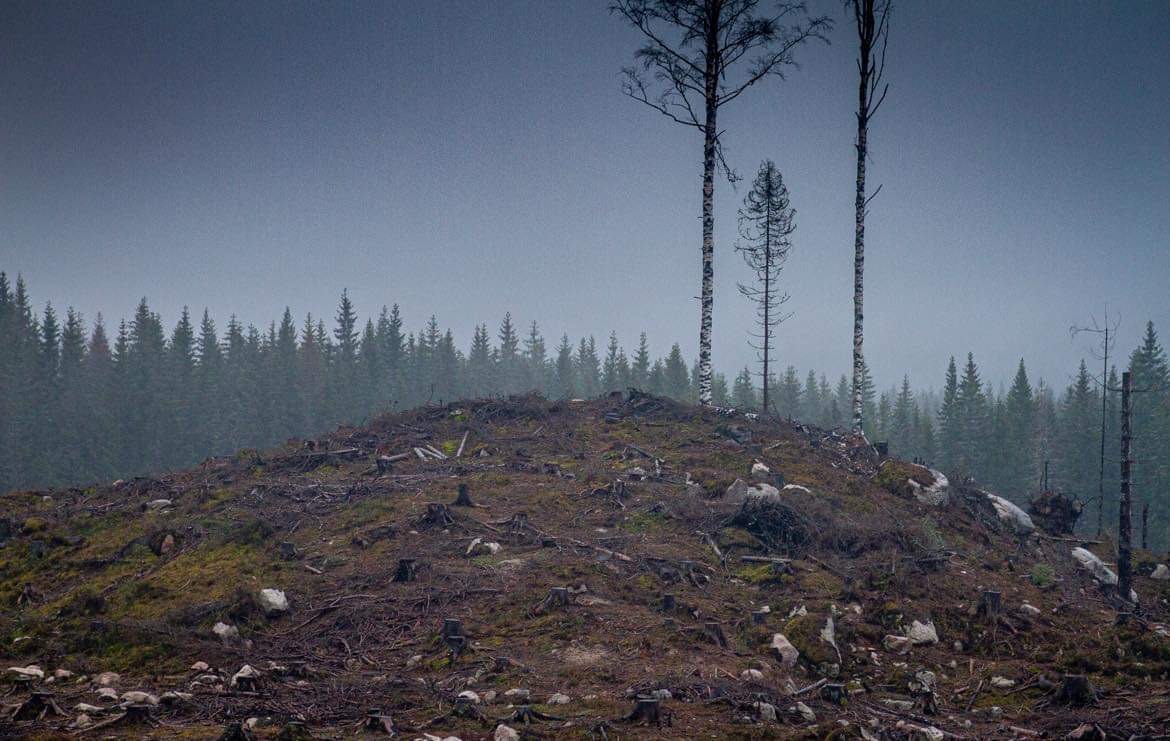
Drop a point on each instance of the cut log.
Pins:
(462, 443)
(646, 711)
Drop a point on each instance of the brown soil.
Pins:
(100, 580)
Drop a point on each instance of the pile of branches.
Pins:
(775, 524)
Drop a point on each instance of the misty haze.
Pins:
(595, 369)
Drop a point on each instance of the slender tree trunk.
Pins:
(859, 250)
(767, 296)
(1124, 534)
(707, 299)
(1104, 401)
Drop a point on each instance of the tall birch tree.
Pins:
(872, 19)
(691, 49)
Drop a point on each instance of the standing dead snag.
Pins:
(691, 47)
(766, 223)
(872, 19)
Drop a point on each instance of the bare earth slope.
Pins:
(587, 517)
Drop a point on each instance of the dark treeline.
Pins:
(89, 402)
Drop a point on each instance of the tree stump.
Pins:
(714, 632)
(646, 710)
(1076, 690)
(518, 525)
(288, 551)
(759, 617)
(235, 731)
(463, 499)
(669, 604)
(558, 597)
(451, 627)
(407, 570)
(377, 722)
(138, 713)
(38, 705)
(437, 515)
(989, 605)
(834, 693)
(385, 465)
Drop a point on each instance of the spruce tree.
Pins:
(902, 432)
(510, 373)
(676, 379)
(609, 369)
(536, 362)
(1017, 462)
(743, 393)
(640, 367)
(974, 420)
(950, 422)
(479, 364)
(565, 372)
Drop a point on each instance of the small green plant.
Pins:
(1042, 576)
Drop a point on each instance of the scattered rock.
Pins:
(29, 673)
(134, 697)
(751, 675)
(806, 712)
(478, 546)
(760, 471)
(107, 694)
(740, 491)
(173, 697)
(273, 602)
(227, 633)
(1029, 611)
(469, 696)
(246, 678)
(200, 666)
(1011, 514)
(61, 674)
(921, 633)
(1095, 566)
(784, 651)
(414, 661)
(489, 696)
(517, 695)
(766, 712)
(505, 733)
(158, 504)
(1002, 683)
(108, 679)
(920, 733)
(1160, 572)
(559, 699)
(82, 721)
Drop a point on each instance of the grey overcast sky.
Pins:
(471, 158)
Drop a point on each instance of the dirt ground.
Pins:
(587, 520)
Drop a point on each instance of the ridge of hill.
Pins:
(626, 567)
